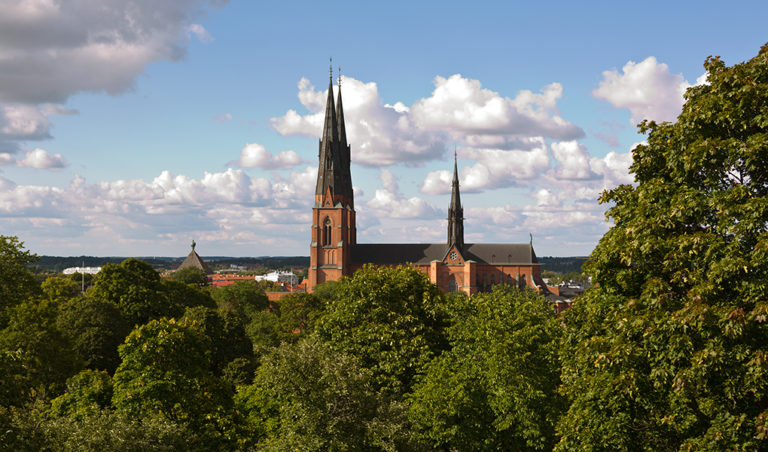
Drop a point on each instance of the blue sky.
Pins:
(133, 127)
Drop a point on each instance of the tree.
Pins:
(225, 333)
(670, 350)
(33, 345)
(308, 396)
(298, 313)
(496, 389)
(16, 282)
(95, 328)
(60, 289)
(135, 287)
(166, 370)
(87, 391)
(181, 296)
(393, 319)
(243, 298)
(191, 275)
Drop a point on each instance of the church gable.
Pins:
(453, 256)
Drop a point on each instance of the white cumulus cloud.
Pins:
(647, 89)
(458, 110)
(54, 49)
(573, 160)
(254, 155)
(379, 134)
(459, 104)
(41, 159)
(388, 202)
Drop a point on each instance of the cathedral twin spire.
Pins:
(455, 211)
(334, 172)
(334, 153)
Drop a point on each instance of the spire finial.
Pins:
(455, 158)
(339, 75)
(330, 68)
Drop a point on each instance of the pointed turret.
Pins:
(330, 171)
(330, 126)
(455, 211)
(345, 154)
(340, 119)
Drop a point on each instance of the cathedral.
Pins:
(452, 265)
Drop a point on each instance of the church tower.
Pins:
(455, 213)
(333, 215)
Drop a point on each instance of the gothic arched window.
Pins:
(452, 286)
(327, 232)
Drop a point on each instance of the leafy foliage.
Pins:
(297, 315)
(88, 391)
(225, 333)
(191, 275)
(316, 399)
(670, 350)
(391, 318)
(17, 283)
(166, 371)
(496, 389)
(32, 342)
(243, 298)
(135, 287)
(60, 289)
(95, 328)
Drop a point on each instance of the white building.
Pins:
(282, 277)
(89, 270)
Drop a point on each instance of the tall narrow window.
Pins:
(327, 232)
(452, 286)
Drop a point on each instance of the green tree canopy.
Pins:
(35, 347)
(670, 351)
(393, 319)
(225, 333)
(244, 298)
(87, 391)
(166, 371)
(298, 313)
(95, 328)
(60, 289)
(308, 396)
(191, 275)
(135, 287)
(17, 283)
(496, 389)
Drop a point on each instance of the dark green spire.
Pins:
(455, 211)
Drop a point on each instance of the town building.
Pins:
(193, 260)
(452, 265)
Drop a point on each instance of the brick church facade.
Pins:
(452, 265)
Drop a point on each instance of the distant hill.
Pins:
(59, 263)
(562, 264)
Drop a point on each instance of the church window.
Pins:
(327, 232)
(452, 286)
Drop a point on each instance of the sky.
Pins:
(130, 128)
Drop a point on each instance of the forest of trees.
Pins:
(667, 351)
